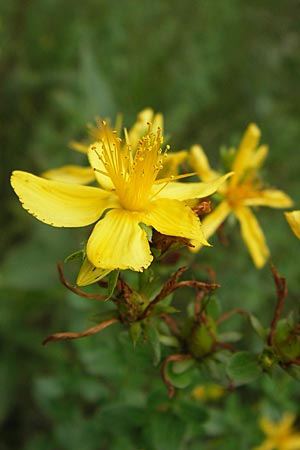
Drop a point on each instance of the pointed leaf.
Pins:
(243, 368)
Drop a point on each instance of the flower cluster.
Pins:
(145, 202)
(131, 195)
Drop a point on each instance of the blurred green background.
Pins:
(210, 67)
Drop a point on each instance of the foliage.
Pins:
(210, 68)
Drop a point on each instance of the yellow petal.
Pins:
(89, 274)
(118, 242)
(212, 221)
(269, 197)
(140, 128)
(292, 442)
(94, 153)
(293, 219)
(253, 236)
(61, 204)
(78, 146)
(258, 157)
(71, 174)
(174, 218)
(268, 426)
(171, 164)
(284, 426)
(199, 162)
(244, 155)
(185, 191)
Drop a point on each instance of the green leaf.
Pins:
(243, 368)
(112, 281)
(135, 331)
(213, 307)
(79, 254)
(165, 431)
(229, 336)
(164, 309)
(154, 342)
(148, 231)
(179, 380)
(192, 412)
(257, 327)
(179, 367)
(294, 371)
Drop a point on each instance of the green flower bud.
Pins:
(200, 337)
(286, 342)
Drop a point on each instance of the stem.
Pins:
(74, 288)
(176, 357)
(89, 332)
(231, 313)
(281, 289)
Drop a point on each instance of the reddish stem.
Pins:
(175, 357)
(74, 288)
(89, 332)
(281, 290)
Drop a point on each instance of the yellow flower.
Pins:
(210, 391)
(293, 219)
(242, 191)
(132, 196)
(85, 175)
(279, 435)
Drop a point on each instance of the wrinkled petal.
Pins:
(174, 218)
(118, 242)
(61, 204)
(253, 236)
(89, 274)
(293, 219)
(71, 174)
(269, 197)
(199, 162)
(245, 152)
(185, 191)
(94, 153)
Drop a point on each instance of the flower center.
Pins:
(238, 194)
(133, 173)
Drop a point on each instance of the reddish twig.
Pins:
(281, 290)
(74, 288)
(231, 313)
(165, 291)
(89, 332)
(172, 324)
(171, 286)
(197, 284)
(175, 357)
(197, 306)
(225, 346)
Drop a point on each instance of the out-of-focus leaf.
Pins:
(153, 339)
(165, 431)
(243, 368)
(112, 281)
